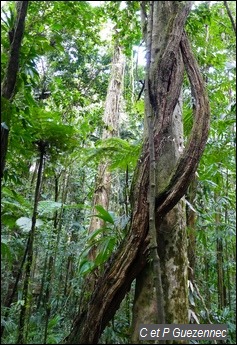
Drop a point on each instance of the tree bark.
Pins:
(111, 127)
(230, 16)
(21, 339)
(164, 89)
(191, 221)
(9, 80)
(172, 251)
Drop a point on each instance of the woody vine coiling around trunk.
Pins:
(166, 72)
(154, 256)
(188, 162)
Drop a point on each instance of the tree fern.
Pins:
(120, 152)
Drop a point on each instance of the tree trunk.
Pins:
(221, 287)
(111, 127)
(191, 221)
(172, 250)
(9, 80)
(21, 339)
(163, 86)
(170, 231)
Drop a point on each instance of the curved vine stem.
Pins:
(188, 162)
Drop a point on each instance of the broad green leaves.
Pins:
(120, 153)
(103, 239)
(47, 207)
(6, 250)
(103, 214)
(25, 223)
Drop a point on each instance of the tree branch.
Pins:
(230, 16)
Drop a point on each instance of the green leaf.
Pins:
(86, 266)
(57, 26)
(105, 250)
(96, 233)
(25, 223)
(6, 251)
(48, 206)
(103, 214)
(119, 152)
(53, 322)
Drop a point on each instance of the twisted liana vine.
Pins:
(188, 162)
(131, 257)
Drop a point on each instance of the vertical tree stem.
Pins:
(21, 329)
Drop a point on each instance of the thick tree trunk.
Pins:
(111, 127)
(172, 249)
(170, 231)
(163, 86)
